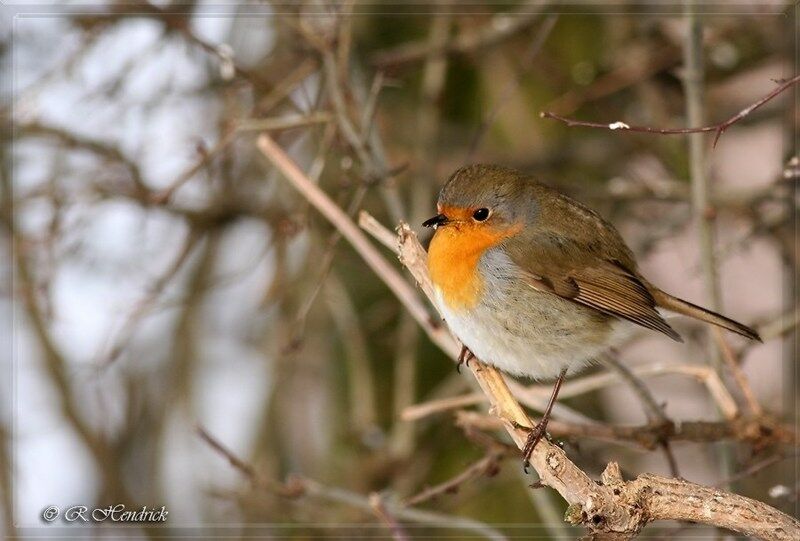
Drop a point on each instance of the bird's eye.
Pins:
(480, 214)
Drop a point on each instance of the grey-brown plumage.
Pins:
(566, 249)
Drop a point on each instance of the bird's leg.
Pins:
(537, 432)
(464, 357)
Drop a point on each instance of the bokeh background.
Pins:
(163, 281)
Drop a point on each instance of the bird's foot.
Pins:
(535, 435)
(539, 431)
(464, 358)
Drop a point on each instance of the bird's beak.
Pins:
(436, 221)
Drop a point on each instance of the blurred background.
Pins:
(180, 328)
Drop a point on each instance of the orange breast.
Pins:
(453, 261)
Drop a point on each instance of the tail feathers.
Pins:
(680, 306)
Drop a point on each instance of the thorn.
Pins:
(720, 131)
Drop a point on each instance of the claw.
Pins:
(518, 426)
(464, 358)
(534, 437)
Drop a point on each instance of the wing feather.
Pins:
(625, 299)
(609, 288)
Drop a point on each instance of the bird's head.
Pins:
(487, 199)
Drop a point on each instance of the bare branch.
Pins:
(758, 432)
(729, 357)
(297, 486)
(285, 122)
(100, 148)
(716, 388)
(719, 129)
(426, 409)
(488, 465)
(501, 27)
(404, 292)
(653, 410)
(512, 85)
(379, 508)
(677, 499)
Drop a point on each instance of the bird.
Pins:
(537, 284)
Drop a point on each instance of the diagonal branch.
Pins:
(500, 28)
(653, 410)
(297, 487)
(488, 465)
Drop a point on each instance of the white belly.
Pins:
(537, 338)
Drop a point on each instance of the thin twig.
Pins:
(285, 86)
(639, 66)
(361, 379)
(587, 384)
(758, 432)
(328, 254)
(285, 122)
(716, 389)
(234, 460)
(430, 519)
(58, 371)
(703, 213)
(368, 223)
(757, 467)
(380, 510)
(228, 137)
(146, 304)
(513, 84)
(370, 107)
(729, 357)
(779, 326)
(297, 486)
(500, 28)
(488, 465)
(432, 407)
(373, 168)
(653, 410)
(535, 396)
(719, 129)
(359, 241)
(366, 144)
(99, 148)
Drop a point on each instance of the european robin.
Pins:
(537, 284)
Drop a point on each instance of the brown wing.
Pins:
(577, 273)
(614, 291)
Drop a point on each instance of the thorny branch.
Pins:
(719, 129)
(613, 506)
